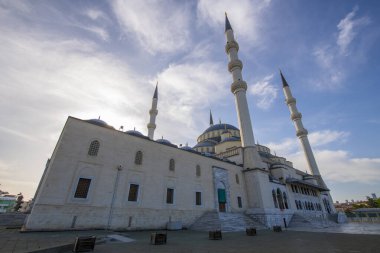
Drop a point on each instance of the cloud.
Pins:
(188, 89)
(47, 77)
(96, 14)
(348, 29)
(265, 92)
(334, 165)
(339, 166)
(158, 26)
(244, 16)
(317, 139)
(332, 58)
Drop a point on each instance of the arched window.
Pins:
(237, 179)
(279, 197)
(138, 158)
(285, 200)
(171, 165)
(296, 204)
(274, 199)
(94, 148)
(299, 204)
(198, 171)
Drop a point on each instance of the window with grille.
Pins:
(198, 198)
(237, 179)
(240, 205)
(94, 148)
(133, 192)
(198, 171)
(169, 195)
(82, 188)
(138, 158)
(171, 165)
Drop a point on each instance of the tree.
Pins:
(18, 202)
(373, 203)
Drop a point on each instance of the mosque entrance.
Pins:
(222, 200)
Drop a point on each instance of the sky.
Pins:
(103, 58)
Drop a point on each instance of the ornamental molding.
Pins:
(238, 85)
(232, 44)
(235, 64)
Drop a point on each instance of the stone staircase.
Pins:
(227, 222)
(301, 221)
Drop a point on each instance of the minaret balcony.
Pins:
(238, 85)
(302, 132)
(232, 44)
(152, 111)
(235, 64)
(295, 116)
(290, 101)
(151, 126)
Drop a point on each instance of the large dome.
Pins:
(220, 126)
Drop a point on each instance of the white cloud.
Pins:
(96, 14)
(158, 26)
(46, 78)
(244, 16)
(332, 58)
(188, 89)
(334, 165)
(339, 166)
(348, 29)
(264, 92)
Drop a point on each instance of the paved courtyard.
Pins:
(366, 239)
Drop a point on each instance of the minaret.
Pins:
(239, 88)
(153, 113)
(211, 120)
(301, 132)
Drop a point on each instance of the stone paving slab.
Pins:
(308, 240)
(265, 241)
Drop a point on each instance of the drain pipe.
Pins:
(119, 168)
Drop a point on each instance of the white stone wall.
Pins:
(56, 208)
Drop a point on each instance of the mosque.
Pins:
(102, 178)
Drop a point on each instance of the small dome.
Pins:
(134, 133)
(165, 142)
(186, 148)
(99, 122)
(206, 143)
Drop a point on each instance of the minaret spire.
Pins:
(301, 132)
(211, 120)
(238, 88)
(228, 25)
(153, 113)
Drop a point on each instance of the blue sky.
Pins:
(91, 58)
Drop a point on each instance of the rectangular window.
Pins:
(133, 192)
(240, 205)
(82, 188)
(169, 195)
(198, 198)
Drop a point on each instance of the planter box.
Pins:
(158, 238)
(84, 244)
(250, 231)
(215, 235)
(277, 229)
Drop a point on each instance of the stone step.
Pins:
(225, 221)
(299, 220)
